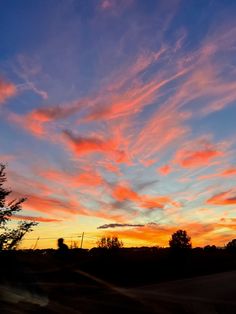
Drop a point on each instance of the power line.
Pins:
(50, 238)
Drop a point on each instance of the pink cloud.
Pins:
(46, 204)
(35, 122)
(24, 184)
(223, 198)
(121, 193)
(80, 145)
(114, 6)
(125, 193)
(35, 218)
(225, 173)
(111, 167)
(7, 90)
(133, 100)
(198, 158)
(165, 129)
(90, 178)
(85, 145)
(204, 155)
(106, 4)
(165, 170)
(6, 157)
(229, 172)
(148, 162)
(35, 127)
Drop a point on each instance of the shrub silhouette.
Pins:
(109, 243)
(180, 240)
(10, 238)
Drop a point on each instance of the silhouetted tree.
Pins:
(180, 240)
(110, 243)
(231, 245)
(10, 238)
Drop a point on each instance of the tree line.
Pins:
(180, 240)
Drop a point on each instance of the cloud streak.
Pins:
(35, 218)
(123, 193)
(223, 198)
(107, 226)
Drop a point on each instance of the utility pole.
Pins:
(36, 243)
(82, 239)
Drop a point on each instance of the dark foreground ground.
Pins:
(119, 282)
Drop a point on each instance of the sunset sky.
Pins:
(118, 117)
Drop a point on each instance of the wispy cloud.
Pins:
(28, 70)
(228, 172)
(35, 218)
(90, 178)
(204, 154)
(223, 198)
(80, 145)
(125, 193)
